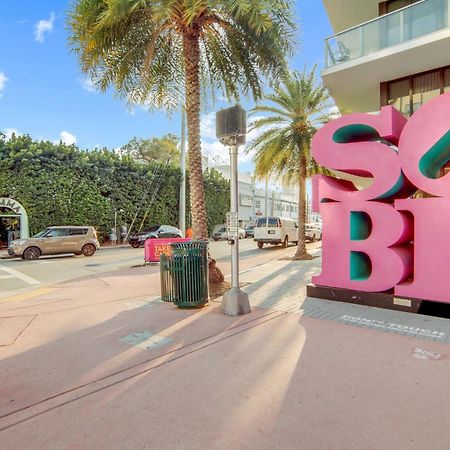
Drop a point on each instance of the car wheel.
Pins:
(320, 237)
(313, 239)
(135, 244)
(88, 249)
(260, 244)
(31, 253)
(285, 242)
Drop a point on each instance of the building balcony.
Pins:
(410, 40)
(406, 24)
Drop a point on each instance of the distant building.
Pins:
(256, 202)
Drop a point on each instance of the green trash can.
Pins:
(184, 275)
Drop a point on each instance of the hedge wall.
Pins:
(63, 185)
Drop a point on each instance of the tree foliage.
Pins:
(164, 149)
(291, 116)
(62, 185)
(164, 53)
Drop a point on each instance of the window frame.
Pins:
(384, 86)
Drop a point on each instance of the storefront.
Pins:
(13, 221)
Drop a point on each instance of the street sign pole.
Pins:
(234, 210)
(235, 301)
(231, 129)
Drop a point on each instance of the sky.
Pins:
(44, 94)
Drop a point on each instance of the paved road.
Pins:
(16, 274)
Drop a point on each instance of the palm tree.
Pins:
(166, 53)
(282, 148)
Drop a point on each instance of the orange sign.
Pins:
(154, 248)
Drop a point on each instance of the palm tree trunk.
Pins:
(191, 55)
(301, 252)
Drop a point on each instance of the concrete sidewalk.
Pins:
(102, 363)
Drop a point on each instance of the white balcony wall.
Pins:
(419, 19)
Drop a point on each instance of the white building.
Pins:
(255, 202)
(394, 52)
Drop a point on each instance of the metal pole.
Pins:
(266, 206)
(235, 301)
(253, 201)
(182, 212)
(115, 226)
(234, 209)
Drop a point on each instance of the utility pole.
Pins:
(182, 212)
(266, 200)
(253, 201)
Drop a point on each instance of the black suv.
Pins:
(154, 232)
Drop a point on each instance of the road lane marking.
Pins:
(3, 277)
(28, 295)
(20, 276)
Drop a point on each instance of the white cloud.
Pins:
(42, 27)
(88, 85)
(8, 132)
(67, 138)
(334, 112)
(3, 80)
(214, 150)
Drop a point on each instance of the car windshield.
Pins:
(222, 230)
(41, 233)
(267, 222)
(152, 229)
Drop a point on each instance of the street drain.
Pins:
(92, 265)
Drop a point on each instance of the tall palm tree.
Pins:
(165, 53)
(296, 107)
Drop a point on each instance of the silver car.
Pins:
(313, 232)
(56, 241)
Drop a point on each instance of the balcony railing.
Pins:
(403, 25)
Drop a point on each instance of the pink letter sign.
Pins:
(378, 239)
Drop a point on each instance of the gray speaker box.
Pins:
(231, 125)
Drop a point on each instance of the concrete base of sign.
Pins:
(235, 302)
(376, 299)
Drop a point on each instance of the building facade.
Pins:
(256, 202)
(393, 52)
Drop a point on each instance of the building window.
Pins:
(398, 96)
(410, 93)
(425, 87)
(258, 204)
(246, 200)
(394, 5)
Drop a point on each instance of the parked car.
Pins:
(313, 232)
(250, 231)
(56, 241)
(221, 233)
(275, 230)
(154, 232)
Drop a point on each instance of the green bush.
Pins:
(63, 185)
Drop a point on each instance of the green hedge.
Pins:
(63, 185)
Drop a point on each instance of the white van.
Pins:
(275, 230)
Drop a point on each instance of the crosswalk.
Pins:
(8, 272)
